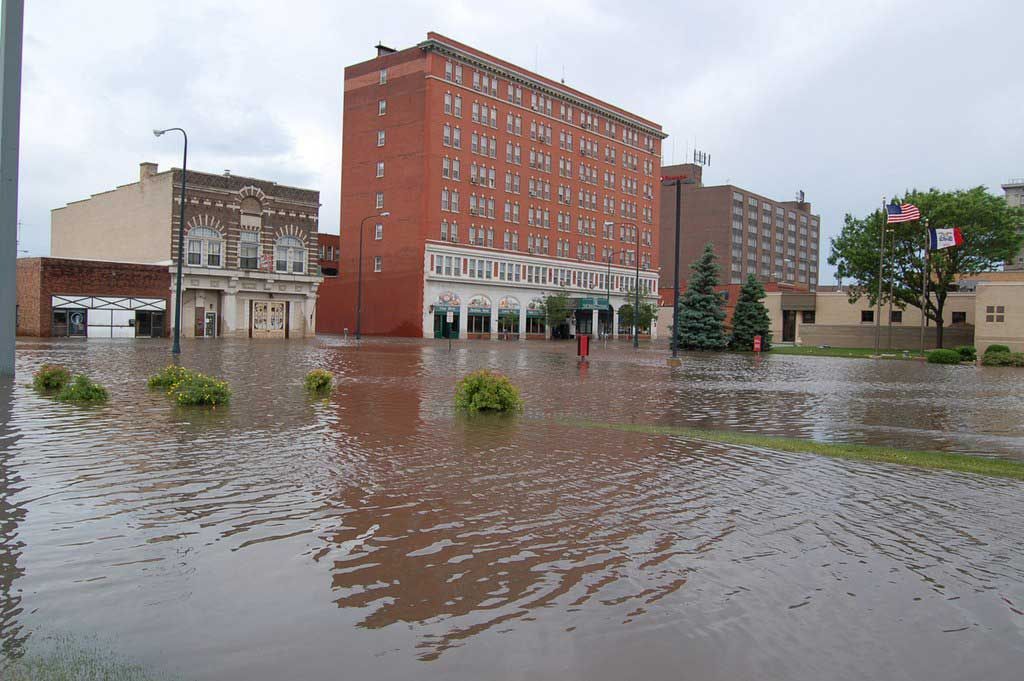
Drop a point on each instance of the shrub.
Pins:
(996, 348)
(199, 389)
(168, 376)
(81, 389)
(318, 381)
(967, 353)
(1003, 359)
(487, 391)
(51, 377)
(943, 357)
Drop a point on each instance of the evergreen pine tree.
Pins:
(701, 309)
(750, 318)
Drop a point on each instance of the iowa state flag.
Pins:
(944, 238)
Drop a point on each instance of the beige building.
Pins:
(986, 310)
(250, 247)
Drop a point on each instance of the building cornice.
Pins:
(545, 260)
(432, 44)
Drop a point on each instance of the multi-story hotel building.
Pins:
(777, 241)
(480, 188)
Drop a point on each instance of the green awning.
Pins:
(588, 303)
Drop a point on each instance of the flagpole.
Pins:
(924, 281)
(892, 277)
(881, 263)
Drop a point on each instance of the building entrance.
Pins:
(443, 329)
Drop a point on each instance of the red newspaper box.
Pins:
(757, 344)
(583, 345)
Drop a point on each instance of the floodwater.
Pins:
(377, 535)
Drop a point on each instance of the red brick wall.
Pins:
(41, 278)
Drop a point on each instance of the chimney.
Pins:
(383, 50)
(146, 169)
(227, 173)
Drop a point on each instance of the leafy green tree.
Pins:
(647, 314)
(750, 318)
(991, 230)
(701, 309)
(555, 308)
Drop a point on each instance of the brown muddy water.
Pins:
(378, 535)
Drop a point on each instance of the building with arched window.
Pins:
(250, 248)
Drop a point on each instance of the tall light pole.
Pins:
(10, 85)
(678, 181)
(359, 285)
(608, 288)
(176, 344)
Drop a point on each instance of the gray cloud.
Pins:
(848, 101)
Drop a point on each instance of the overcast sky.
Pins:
(848, 101)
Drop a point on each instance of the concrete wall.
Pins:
(1010, 331)
(129, 224)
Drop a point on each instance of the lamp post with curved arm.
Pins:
(608, 289)
(359, 284)
(176, 344)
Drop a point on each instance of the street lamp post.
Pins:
(678, 181)
(176, 344)
(359, 285)
(636, 308)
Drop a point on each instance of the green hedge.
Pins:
(51, 377)
(996, 348)
(943, 357)
(968, 353)
(81, 389)
(487, 391)
(188, 388)
(1003, 359)
(319, 381)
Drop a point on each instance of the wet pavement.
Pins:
(379, 535)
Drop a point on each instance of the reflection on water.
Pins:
(377, 535)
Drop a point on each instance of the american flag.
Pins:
(902, 213)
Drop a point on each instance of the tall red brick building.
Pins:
(482, 187)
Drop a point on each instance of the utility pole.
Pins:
(10, 90)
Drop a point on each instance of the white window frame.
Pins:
(382, 107)
(378, 263)
(380, 138)
(378, 231)
(295, 255)
(243, 244)
(205, 239)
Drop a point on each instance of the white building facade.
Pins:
(482, 293)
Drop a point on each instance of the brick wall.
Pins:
(41, 278)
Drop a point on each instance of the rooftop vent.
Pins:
(383, 49)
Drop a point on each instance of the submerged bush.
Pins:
(967, 353)
(82, 389)
(51, 377)
(199, 389)
(168, 376)
(318, 381)
(1003, 359)
(943, 357)
(996, 348)
(487, 391)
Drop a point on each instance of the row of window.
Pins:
(544, 275)
(489, 84)
(204, 247)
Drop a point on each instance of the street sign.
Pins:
(450, 318)
(757, 344)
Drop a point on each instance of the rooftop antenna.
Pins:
(563, 74)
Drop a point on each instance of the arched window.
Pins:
(204, 247)
(289, 255)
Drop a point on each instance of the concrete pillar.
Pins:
(494, 321)
(463, 321)
(615, 322)
(10, 124)
(229, 312)
(594, 328)
(522, 323)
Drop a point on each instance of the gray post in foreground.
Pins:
(10, 87)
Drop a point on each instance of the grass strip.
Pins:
(860, 353)
(948, 461)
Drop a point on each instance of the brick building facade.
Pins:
(250, 246)
(777, 241)
(499, 186)
(63, 297)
